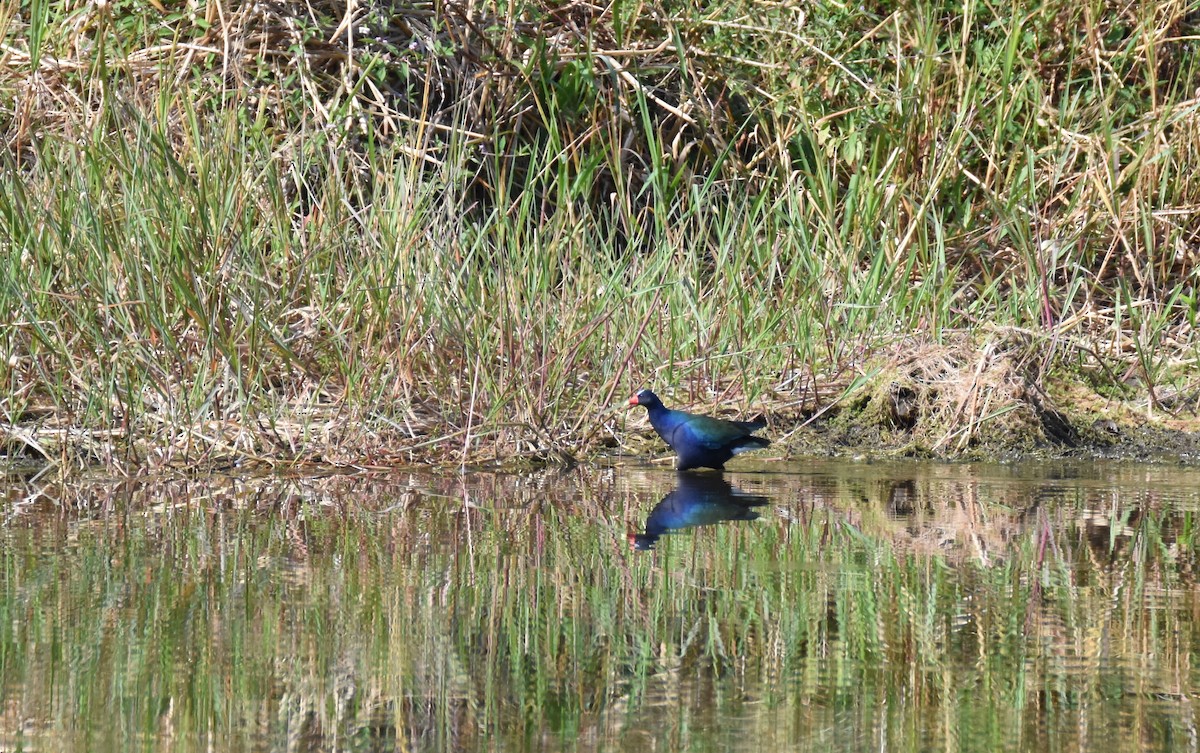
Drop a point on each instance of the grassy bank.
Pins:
(455, 233)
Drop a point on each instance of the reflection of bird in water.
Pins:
(698, 499)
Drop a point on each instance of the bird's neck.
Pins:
(660, 416)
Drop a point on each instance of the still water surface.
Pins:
(817, 606)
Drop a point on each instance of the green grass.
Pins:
(418, 251)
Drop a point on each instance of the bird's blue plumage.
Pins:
(699, 441)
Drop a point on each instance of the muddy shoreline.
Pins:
(903, 413)
(1100, 440)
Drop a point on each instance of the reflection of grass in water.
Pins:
(433, 233)
(263, 616)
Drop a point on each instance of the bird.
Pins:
(700, 441)
(698, 499)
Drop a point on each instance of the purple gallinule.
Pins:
(698, 499)
(700, 441)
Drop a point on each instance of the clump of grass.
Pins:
(284, 234)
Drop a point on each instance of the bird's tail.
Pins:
(755, 425)
(746, 444)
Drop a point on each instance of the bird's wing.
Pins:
(711, 433)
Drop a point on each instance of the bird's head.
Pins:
(645, 398)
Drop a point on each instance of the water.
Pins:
(815, 606)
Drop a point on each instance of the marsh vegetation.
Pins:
(319, 232)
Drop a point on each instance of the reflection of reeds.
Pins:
(301, 233)
(454, 612)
